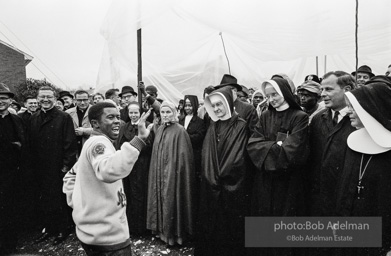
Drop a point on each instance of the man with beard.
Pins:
(101, 223)
(309, 95)
(53, 137)
(13, 144)
(31, 106)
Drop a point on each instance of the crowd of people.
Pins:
(110, 167)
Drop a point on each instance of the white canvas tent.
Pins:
(182, 49)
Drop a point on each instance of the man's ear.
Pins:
(347, 88)
(94, 123)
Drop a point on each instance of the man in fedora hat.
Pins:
(13, 145)
(127, 95)
(67, 97)
(244, 109)
(364, 74)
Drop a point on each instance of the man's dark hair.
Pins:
(96, 110)
(98, 93)
(29, 97)
(78, 92)
(343, 78)
(389, 66)
(47, 88)
(110, 93)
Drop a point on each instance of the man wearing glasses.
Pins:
(127, 95)
(53, 152)
(80, 119)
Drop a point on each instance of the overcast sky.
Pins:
(62, 35)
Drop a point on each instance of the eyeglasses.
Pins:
(4, 98)
(82, 100)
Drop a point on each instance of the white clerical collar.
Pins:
(283, 107)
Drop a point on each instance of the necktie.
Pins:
(335, 118)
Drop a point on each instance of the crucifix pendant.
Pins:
(360, 188)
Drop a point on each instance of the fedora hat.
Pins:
(314, 78)
(127, 89)
(65, 93)
(364, 69)
(5, 90)
(229, 80)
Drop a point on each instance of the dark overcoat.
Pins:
(53, 146)
(327, 155)
(13, 163)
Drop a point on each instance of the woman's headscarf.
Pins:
(258, 91)
(372, 104)
(226, 97)
(173, 109)
(194, 103)
(283, 89)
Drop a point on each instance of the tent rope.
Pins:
(225, 52)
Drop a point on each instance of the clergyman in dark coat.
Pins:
(54, 150)
(13, 150)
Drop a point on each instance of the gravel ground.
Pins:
(143, 246)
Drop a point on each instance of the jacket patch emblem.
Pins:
(121, 198)
(99, 149)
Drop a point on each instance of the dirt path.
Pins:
(143, 246)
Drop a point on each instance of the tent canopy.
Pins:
(183, 52)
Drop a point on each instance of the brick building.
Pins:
(12, 65)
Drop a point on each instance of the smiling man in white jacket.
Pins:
(94, 185)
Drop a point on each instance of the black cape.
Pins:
(223, 202)
(170, 184)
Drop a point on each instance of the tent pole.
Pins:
(325, 64)
(139, 66)
(356, 39)
(317, 66)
